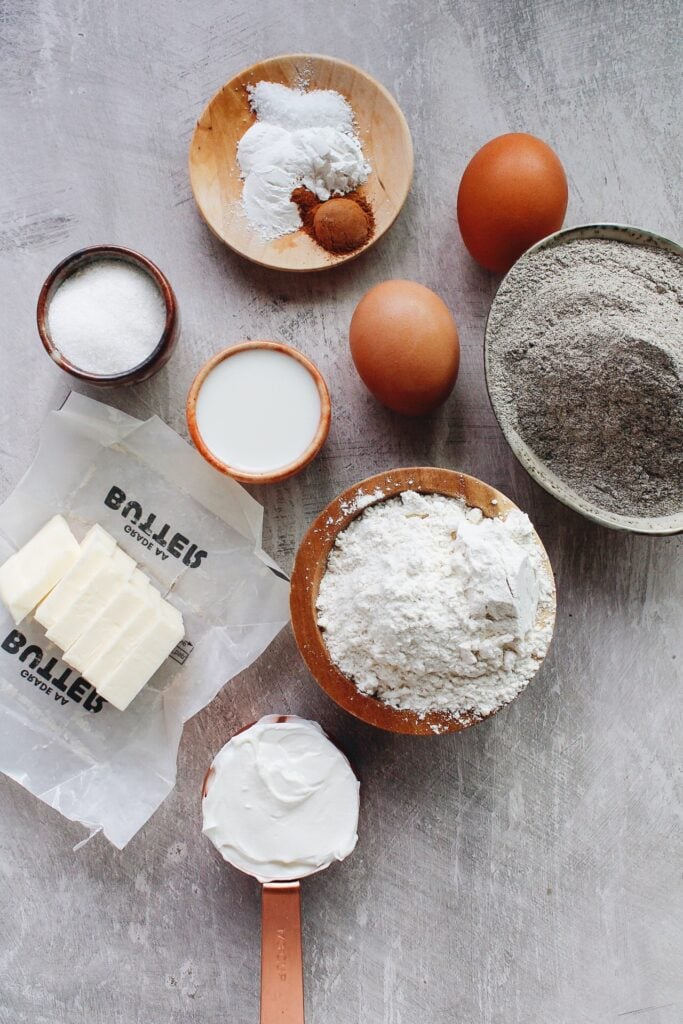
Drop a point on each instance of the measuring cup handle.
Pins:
(282, 981)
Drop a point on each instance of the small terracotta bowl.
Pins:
(283, 472)
(310, 566)
(76, 261)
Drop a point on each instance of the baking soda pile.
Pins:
(300, 139)
(430, 606)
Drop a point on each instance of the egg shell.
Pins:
(512, 194)
(404, 344)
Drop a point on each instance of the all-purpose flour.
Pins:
(428, 605)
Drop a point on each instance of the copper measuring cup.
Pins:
(282, 983)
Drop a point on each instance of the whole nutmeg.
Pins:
(341, 225)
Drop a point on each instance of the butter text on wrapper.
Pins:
(41, 675)
(141, 528)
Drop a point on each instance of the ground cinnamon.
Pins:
(340, 225)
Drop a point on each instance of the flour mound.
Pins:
(585, 364)
(429, 606)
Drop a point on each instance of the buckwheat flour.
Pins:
(427, 605)
(585, 363)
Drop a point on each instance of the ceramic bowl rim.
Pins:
(656, 526)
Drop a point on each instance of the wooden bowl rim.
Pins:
(309, 566)
(285, 471)
(91, 254)
(328, 260)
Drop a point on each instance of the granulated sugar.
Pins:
(431, 607)
(107, 318)
(585, 363)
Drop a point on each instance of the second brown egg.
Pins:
(405, 346)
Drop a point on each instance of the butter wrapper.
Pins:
(198, 536)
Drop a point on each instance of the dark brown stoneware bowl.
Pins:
(76, 261)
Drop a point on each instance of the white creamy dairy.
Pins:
(281, 801)
(258, 410)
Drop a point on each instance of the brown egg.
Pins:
(405, 346)
(512, 194)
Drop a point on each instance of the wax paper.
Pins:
(197, 534)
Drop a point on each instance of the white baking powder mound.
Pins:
(429, 606)
(300, 139)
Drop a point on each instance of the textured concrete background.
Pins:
(527, 872)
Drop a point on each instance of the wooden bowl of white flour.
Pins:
(422, 601)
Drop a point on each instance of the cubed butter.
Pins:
(124, 562)
(125, 680)
(147, 611)
(98, 537)
(115, 616)
(106, 582)
(138, 579)
(30, 574)
(94, 547)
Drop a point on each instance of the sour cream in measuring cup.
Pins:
(281, 801)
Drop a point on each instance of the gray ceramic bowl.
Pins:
(659, 525)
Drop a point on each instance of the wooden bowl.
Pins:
(285, 471)
(82, 258)
(310, 566)
(215, 176)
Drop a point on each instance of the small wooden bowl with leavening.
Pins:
(215, 174)
(311, 564)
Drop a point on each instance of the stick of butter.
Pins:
(146, 614)
(106, 581)
(98, 537)
(141, 656)
(124, 562)
(30, 574)
(59, 600)
(104, 613)
(115, 616)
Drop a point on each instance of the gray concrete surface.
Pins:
(526, 872)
